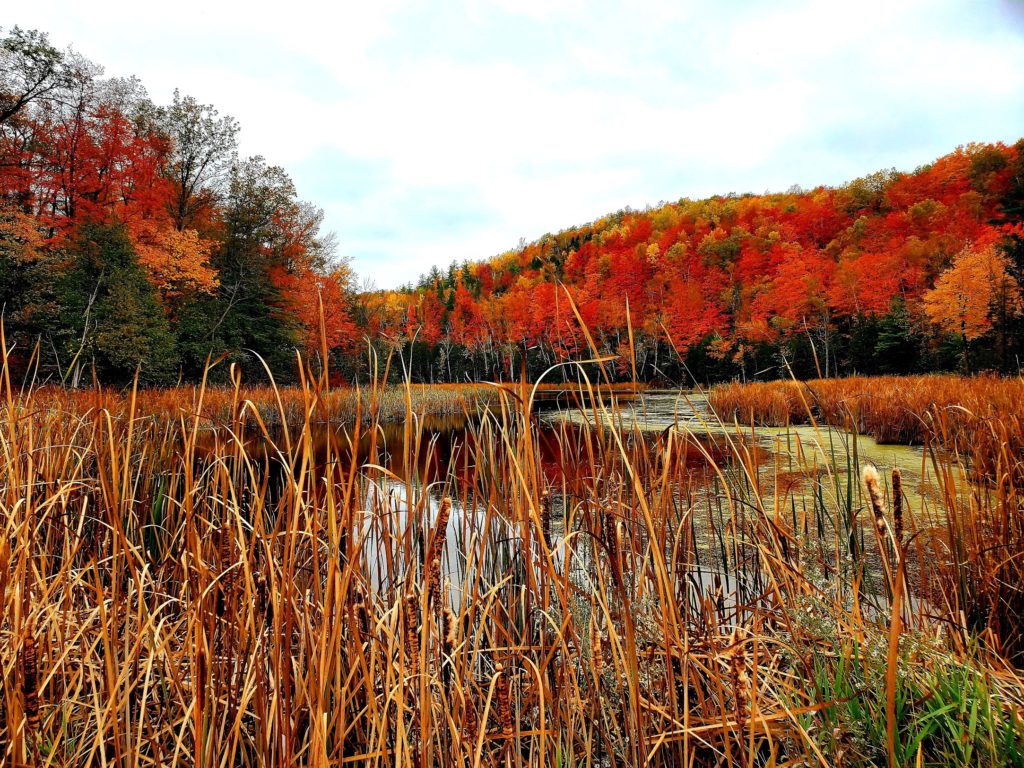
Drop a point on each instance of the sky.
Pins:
(447, 130)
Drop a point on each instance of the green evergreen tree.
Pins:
(898, 349)
(247, 316)
(117, 322)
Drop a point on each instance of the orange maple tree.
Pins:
(977, 289)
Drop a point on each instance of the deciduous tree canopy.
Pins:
(132, 234)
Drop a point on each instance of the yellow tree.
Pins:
(177, 263)
(973, 294)
(20, 240)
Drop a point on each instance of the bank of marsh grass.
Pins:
(198, 577)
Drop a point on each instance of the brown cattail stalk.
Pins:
(30, 680)
(738, 675)
(504, 697)
(361, 618)
(470, 724)
(545, 515)
(872, 483)
(434, 581)
(199, 688)
(451, 628)
(897, 506)
(227, 551)
(263, 604)
(446, 633)
(433, 555)
(437, 538)
(596, 651)
(443, 513)
(412, 634)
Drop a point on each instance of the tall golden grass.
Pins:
(198, 578)
(980, 417)
(972, 431)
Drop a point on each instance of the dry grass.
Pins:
(980, 418)
(184, 583)
(972, 430)
(285, 405)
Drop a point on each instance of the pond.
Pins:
(488, 474)
(806, 450)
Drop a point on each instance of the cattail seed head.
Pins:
(610, 538)
(263, 604)
(412, 634)
(504, 701)
(872, 483)
(451, 628)
(737, 680)
(226, 555)
(596, 651)
(434, 580)
(469, 721)
(30, 678)
(361, 619)
(443, 513)
(545, 515)
(897, 505)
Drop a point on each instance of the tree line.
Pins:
(134, 237)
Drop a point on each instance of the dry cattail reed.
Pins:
(503, 694)
(737, 679)
(451, 627)
(263, 606)
(30, 680)
(434, 580)
(872, 483)
(447, 637)
(361, 619)
(470, 724)
(437, 537)
(596, 650)
(227, 555)
(411, 632)
(545, 515)
(897, 506)
(443, 513)
(433, 556)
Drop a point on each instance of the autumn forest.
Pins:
(133, 235)
(734, 481)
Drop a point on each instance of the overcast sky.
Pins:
(432, 131)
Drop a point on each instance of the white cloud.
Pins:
(439, 131)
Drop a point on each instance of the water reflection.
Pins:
(403, 470)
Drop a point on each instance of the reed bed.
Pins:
(972, 433)
(284, 405)
(978, 417)
(276, 405)
(185, 581)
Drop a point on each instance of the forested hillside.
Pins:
(133, 234)
(894, 272)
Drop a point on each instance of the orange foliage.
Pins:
(20, 239)
(975, 288)
(305, 293)
(177, 263)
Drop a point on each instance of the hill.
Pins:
(893, 272)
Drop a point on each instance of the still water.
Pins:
(404, 471)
